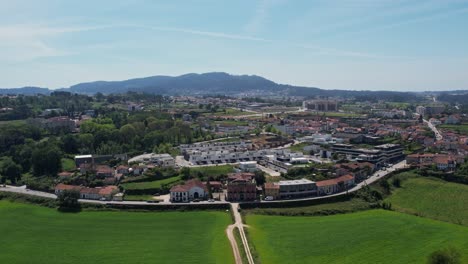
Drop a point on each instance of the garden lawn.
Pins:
(213, 171)
(374, 236)
(34, 234)
(150, 184)
(432, 198)
(68, 164)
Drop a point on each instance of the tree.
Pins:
(128, 133)
(396, 182)
(46, 160)
(260, 178)
(445, 256)
(67, 200)
(384, 184)
(11, 171)
(185, 171)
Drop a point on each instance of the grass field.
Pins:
(68, 164)
(432, 198)
(33, 234)
(352, 205)
(374, 236)
(213, 171)
(150, 184)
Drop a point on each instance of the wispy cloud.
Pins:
(28, 42)
(319, 50)
(205, 33)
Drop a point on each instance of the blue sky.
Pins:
(331, 44)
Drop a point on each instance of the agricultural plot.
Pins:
(374, 236)
(34, 234)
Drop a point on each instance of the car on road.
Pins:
(269, 198)
(196, 200)
(211, 200)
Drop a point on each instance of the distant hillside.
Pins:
(25, 90)
(214, 83)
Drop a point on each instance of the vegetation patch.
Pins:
(48, 236)
(374, 236)
(432, 198)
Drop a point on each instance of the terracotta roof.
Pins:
(188, 185)
(108, 190)
(240, 176)
(335, 181)
(271, 185)
(63, 187)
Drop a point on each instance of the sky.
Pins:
(330, 44)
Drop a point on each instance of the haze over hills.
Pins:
(213, 83)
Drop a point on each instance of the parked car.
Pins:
(211, 200)
(269, 198)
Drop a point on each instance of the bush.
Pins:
(445, 256)
(396, 182)
(67, 200)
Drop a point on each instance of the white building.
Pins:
(248, 166)
(163, 160)
(193, 189)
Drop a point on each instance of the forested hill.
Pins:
(214, 83)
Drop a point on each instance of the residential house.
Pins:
(241, 187)
(335, 185)
(192, 189)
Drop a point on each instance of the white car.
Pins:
(269, 198)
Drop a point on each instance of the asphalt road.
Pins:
(434, 129)
(376, 176)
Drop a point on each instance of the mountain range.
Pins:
(213, 83)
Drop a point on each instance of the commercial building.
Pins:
(320, 105)
(291, 189)
(379, 155)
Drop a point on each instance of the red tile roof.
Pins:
(335, 181)
(188, 185)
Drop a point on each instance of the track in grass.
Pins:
(374, 236)
(33, 234)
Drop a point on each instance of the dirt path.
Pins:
(232, 239)
(230, 232)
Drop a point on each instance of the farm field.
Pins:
(374, 236)
(432, 198)
(34, 234)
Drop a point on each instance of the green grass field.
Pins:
(432, 198)
(374, 236)
(213, 171)
(150, 184)
(33, 234)
(68, 164)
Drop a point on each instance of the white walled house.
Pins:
(193, 189)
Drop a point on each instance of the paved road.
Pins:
(230, 231)
(434, 129)
(376, 176)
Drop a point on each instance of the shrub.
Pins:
(445, 256)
